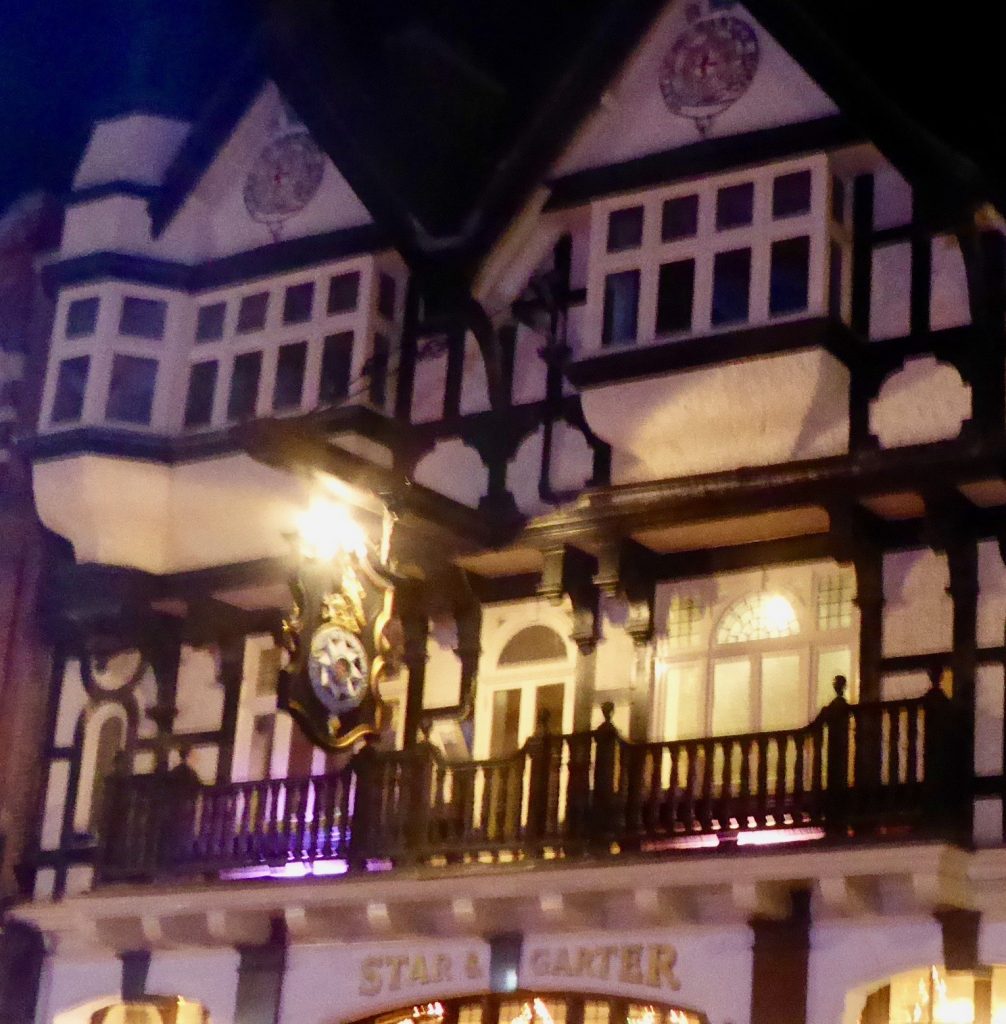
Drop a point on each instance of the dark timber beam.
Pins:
(780, 956)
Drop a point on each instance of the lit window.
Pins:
(758, 617)
(835, 595)
(683, 619)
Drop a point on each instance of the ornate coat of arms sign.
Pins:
(343, 639)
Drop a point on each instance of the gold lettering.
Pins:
(370, 976)
(442, 968)
(419, 974)
(539, 961)
(585, 961)
(606, 953)
(660, 967)
(561, 964)
(396, 963)
(632, 965)
(473, 966)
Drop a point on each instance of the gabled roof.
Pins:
(444, 115)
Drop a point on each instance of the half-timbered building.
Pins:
(537, 539)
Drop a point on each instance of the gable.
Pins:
(234, 206)
(717, 48)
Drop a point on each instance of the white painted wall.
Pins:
(454, 469)
(134, 147)
(918, 612)
(923, 402)
(755, 413)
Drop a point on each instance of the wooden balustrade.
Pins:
(865, 769)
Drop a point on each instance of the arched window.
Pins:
(758, 617)
(533, 643)
(153, 1010)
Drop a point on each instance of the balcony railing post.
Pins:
(835, 722)
(539, 758)
(419, 788)
(944, 767)
(363, 827)
(606, 781)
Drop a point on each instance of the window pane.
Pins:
(336, 361)
(835, 595)
(297, 303)
(763, 616)
(791, 194)
(837, 662)
(731, 697)
(379, 370)
(734, 206)
(210, 322)
(731, 283)
(783, 693)
(548, 699)
(503, 738)
(684, 619)
(342, 292)
(142, 318)
(289, 376)
(790, 268)
(386, 296)
(199, 400)
(70, 385)
(131, 389)
(675, 289)
(621, 298)
(244, 386)
(252, 312)
(625, 229)
(680, 218)
(81, 317)
(684, 684)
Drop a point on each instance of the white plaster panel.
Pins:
(200, 697)
(633, 119)
(991, 595)
(918, 611)
(989, 720)
(903, 685)
(77, 988)
(428, 389)
(754, 412)
(948, 303)
(474, 390)
(45, 883)
(454, 469)
(79, 879)
(890, 279)
(572, 464)
(616, 653)
(72, 699)
(114, 223)
(925, 401)
(987, 827)
(848, 959)
(208, 976)
(722, 991)
(55, 803)
(528, 367)
(331, 984)
(137, 148)
(892, 198)
(168, 518)
(443, 674)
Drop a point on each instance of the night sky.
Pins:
(62, 61)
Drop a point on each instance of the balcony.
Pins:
(892, 769)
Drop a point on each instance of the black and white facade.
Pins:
(702, 406)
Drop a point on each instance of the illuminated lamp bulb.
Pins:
(777, 614)
(327, 530)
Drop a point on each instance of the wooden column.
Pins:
(411, 604)
(260, 980)
(780, 955)
(135, 968)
